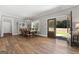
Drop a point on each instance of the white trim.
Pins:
(15, 34)
(42, 35)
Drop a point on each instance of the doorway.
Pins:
(52, 28)
(7, 28)
(62, 28)
(59, 28)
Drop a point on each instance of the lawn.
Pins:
(62, 32)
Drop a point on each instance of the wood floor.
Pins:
(35, 45)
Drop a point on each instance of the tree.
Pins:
(63, 24)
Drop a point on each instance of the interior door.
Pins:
(52, 28)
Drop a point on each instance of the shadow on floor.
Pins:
(61, 38)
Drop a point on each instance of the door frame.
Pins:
(71, 28)
(54, 26)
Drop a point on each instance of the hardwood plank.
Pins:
(35, 45)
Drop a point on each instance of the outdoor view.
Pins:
(63, 28)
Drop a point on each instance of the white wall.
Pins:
(75, 17)
(0, 27)
(0, 22)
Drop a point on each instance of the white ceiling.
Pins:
(25, 10)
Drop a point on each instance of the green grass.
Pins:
(63, 34)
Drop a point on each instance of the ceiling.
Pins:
(25, 10)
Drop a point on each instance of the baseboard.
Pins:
(15, 34)
(42, 35)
